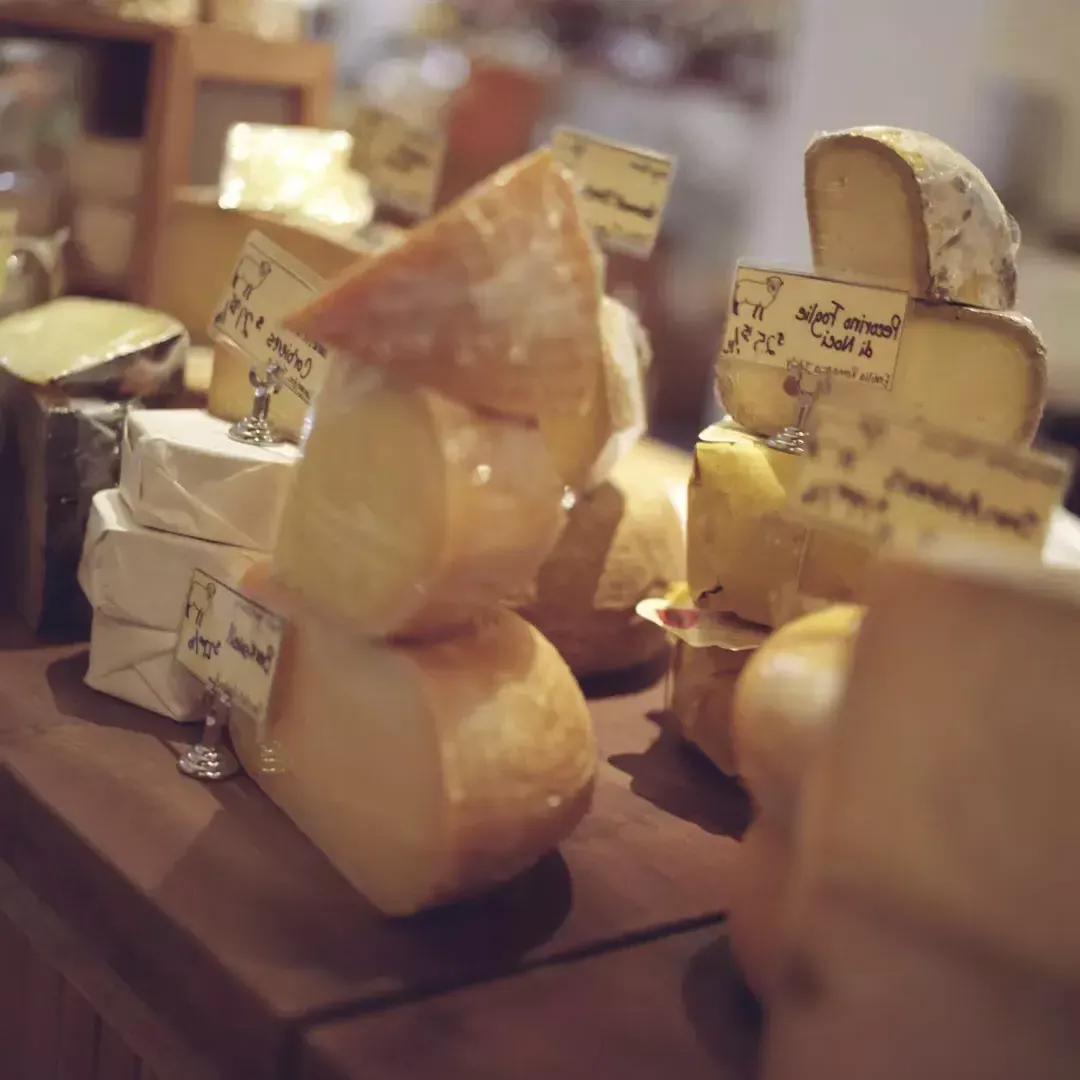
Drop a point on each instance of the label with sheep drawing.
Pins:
(231, 643)
(801, 323)
(266, 285)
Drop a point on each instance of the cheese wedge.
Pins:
(409, 513)
(495, 302)
(425, 774)
(743, 556)
(702, 699)
(904, 210)
(623, 543)
(978, 373)
(588, 443)
(232, 393)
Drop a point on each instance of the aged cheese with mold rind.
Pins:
(623, 543)
(495, 302)
(588, 443)
(181, 472)
(411, 513)
(904, 210)
(744, 557)
(978, 373)
(424, 773)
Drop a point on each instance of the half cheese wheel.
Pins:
(494, 302)
(424, 773)
(410, 513)
(903, 209)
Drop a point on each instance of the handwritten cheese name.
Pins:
(806, 324)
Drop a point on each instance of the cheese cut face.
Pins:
(702, 697)
(182, 473)
(743, 556)
(495, 302)
(978, 373)
(425, 773)
(785, 702)
(410, 513)
(623, 543)
(904, 210)
(588, 443)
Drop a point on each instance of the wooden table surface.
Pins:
(247, 950)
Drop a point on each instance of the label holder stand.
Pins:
(210, 760)
(255, 428)
(795, 438)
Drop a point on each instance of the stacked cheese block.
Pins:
(889, 208)
(190, 498)
(432, 743)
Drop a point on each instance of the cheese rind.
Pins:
(904, 210)
(978, 373)
(410, 513)
(182, 473)
(623, 543)
(588, 443)
(425, 773)
(744, 557)
(495, 302)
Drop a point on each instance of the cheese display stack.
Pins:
(887, 208)
(189, 498)
(432, 743)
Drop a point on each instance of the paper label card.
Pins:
(624, 190)
(702, 629)
(267, 285)
(907, 484)
(403, 163)
(9, 224)
(228, 642)
(806, 324)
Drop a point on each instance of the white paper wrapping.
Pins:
(142, 575)
(138, 664)
(181, 472)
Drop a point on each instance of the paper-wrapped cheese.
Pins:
(494, 302)
(745, 556)
(410, 513)
(425, 773)
(903, 209)
(623, 543)
(978, 373)
(182, 473)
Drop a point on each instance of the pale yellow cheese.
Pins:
(494, 302)
(905, 210)
(978, 373)
(744, 557)
(624, 543)
(409, 512)
(587, 443)
(425, 774)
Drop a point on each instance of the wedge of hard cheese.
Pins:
(587, 443)
(979, 373)
(410, 513)
(623, 543)
(426, 773)
(904, 210)
(495, 302)
(744, 556)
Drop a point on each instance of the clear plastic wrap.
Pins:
(963, 242)
(181, 472)
(294, 170)
(495, 302)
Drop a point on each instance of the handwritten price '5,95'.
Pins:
(745, 339)
(241, 317)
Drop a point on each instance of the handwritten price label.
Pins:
(231, 643)
(624, 190)
(403, 163)
(812, 325)
(266, 286)
(9, 224)
(908, 484)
